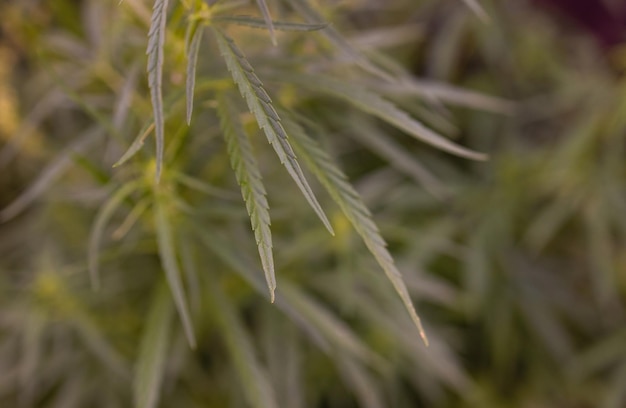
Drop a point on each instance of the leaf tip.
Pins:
(481, 157)
(329, 227)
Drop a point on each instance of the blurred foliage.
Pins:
(516, 264)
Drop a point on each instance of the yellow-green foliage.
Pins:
(469, 156)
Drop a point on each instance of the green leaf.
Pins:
(192, 62)
(375, 105)
(150, 364)
(311, 15)
(167, 254)
(261, 107)
(350, 202)
(384, 146)
(102, 218)
(249, 179)
(268, 19)
(278, 25)
(254, 377)
(156, 41)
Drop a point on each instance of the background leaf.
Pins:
(155, 52)
(150, 366)
(167, 254)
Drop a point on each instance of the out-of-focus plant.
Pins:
(516, 262)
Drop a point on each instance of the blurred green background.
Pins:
(517, 265)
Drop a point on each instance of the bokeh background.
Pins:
(517, 265)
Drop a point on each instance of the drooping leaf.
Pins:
(167, 254)
(150, 364)
(253, 376)
(102, 218)
(192, 62)
(261, 107)
(249, 179)
(156, 42)
(278, 25)
(350, 202)
(172, 105)
(375, 105)
(268, 19)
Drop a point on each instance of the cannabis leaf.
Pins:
(152, 352)
(253, 376)
(306, 9)
(195, 33)
(268, 19)
(156, 41)
(350, 202)
(261, 107)
(278, 25)
(375, 105)
(249, 179)
(167, 254)
(102, 218)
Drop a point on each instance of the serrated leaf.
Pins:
(253, 376)
(268, 19)
(102, 218)
(192, 62)
(350, 202)
(253, 22)
(249, 179)
(167, 254)
(150, 364)
(261, 107)
(156, 42)
(375, 105)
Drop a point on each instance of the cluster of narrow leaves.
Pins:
(281, 135)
